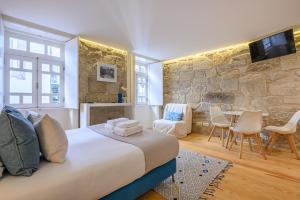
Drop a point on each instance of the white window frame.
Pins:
(142, 75)
(61, 74)
(7, 85)
(36, 71)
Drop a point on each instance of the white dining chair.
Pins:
(248, 126)
(218, 120)
(288, 131)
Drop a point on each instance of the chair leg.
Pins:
(211, 132)
(228, 137)
(233, 140)
(269, 141)
(290, 143)
(273, 142)
(241, 145)
(250, 145)
(222, 135)
(258, 141)
(291, 139)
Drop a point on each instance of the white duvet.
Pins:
(95, 166)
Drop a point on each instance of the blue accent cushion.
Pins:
(174, 116)
(19, 146)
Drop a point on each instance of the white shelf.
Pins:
(85, 109)
(105, 104)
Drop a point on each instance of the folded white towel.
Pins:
(113, 122)
(128, 124)
(109, 126)
(124, 132)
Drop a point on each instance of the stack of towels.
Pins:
(124, 127)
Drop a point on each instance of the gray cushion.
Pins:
(1, 169)
(19, 146)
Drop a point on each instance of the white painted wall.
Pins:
(71, 74)
(155, 82)
(146, 114)
(1, 61)
(68, 118)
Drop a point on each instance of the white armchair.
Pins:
(178, 128)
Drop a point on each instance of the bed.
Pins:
(97, 166)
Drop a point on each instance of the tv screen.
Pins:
(270, 47)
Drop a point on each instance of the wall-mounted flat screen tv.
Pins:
(270, 47)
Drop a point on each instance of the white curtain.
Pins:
(1, 61)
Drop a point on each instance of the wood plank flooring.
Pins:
(252, 177)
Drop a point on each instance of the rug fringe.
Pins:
(211, 189)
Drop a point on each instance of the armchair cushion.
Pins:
(178, 123)
(174, 116)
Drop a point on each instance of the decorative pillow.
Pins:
(168, 116)
(174, 116)
(19, 146)
(33, 117)
(53, 139)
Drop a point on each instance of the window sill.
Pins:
(46, 108)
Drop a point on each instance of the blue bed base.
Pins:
(145, 183)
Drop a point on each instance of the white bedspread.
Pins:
(95, 166)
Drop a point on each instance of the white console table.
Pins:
(85, 109)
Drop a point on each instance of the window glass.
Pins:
(27, 99)
(14, 99)
(27, 65)
(141, 83)
(46, 83)
(56, 68)
(55, 82)
(141, 90)
(17, 44)
(20, 82)
(14, 63)
(53, 51)
(37, 48)
(45, 99)
(55, 99)
(45, 67)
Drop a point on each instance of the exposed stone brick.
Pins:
(91, 90)
(271, 85)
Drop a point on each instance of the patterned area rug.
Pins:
(197, 177)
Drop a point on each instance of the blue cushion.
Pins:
(174, 116)
(19, 146)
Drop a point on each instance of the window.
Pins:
(37, 48)
(53, 51)
(50, 89)
(17, 44)
(141, 79)
(34, 75)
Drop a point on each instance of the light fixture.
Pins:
(124, 52)
(204, 53)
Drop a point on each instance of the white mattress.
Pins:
(95, 166)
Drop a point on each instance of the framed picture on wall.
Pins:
(107, 73)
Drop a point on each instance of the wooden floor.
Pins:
(252, 177)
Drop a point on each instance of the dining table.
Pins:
(234, 115)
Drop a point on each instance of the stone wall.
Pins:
(228, 78)
(90, 90)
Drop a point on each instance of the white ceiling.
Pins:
(160, 29)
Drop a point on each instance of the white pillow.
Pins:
(52, 138)
(33, 117)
